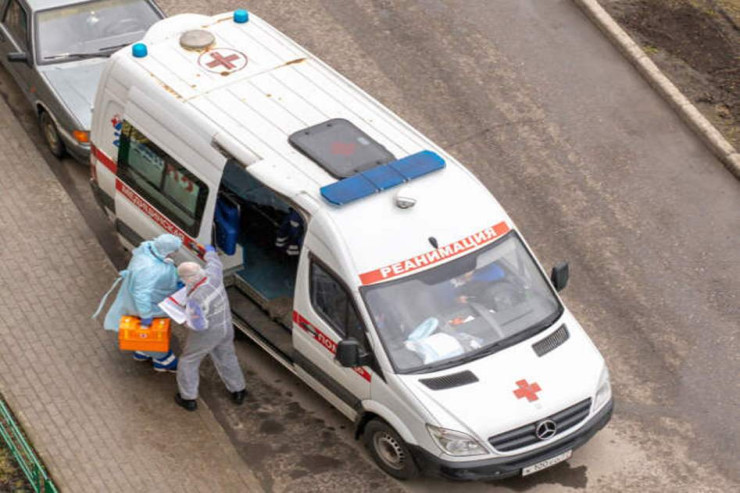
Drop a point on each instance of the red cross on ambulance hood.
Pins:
(566, 375)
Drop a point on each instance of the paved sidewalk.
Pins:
(99, 420)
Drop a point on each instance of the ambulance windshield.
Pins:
(463, 309)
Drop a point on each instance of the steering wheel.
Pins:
(502, 295)
(123, 26)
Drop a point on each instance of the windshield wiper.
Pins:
(114, 47)
(64, 56)
(101, 53)
(461, 359)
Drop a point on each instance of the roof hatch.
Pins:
(341, 148)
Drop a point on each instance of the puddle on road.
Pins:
(288, 447)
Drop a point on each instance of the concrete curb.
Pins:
(680, 103)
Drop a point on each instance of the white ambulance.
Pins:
(357, 253)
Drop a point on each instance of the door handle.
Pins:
(308, 328)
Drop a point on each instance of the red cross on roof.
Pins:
(527, 390)
(219, 59)
(343, 148)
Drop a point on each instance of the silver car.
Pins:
(56, 51)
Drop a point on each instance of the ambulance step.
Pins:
(263, 326)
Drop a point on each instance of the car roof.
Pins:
(284, 89)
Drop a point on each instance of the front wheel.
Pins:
(389, 450)
(51, 134)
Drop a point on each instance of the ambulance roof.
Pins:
(256, 87)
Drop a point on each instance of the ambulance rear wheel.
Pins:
(389, 450)
(51, 134)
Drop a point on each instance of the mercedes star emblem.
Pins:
(546, 429)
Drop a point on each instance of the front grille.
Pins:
(552, 341)
(525, 435)
(450, 381)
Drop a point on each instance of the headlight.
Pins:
(455, 442)
(604, 391)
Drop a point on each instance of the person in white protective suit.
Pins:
(150, 277)
(211, 332)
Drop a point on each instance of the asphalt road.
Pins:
(595, 169)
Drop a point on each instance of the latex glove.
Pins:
(146, 322)
(194, 316)
(210, 248)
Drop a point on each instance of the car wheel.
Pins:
(51, 134)
(389, 450)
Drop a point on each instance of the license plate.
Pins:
(546, 463)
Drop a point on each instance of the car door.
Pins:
(325, 313)
(15, 38)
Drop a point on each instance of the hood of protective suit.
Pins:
(149, 278)
(190, 273)
(166, 244)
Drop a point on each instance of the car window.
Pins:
(334, 304)
(161, 180)
(16, 21)
(95, 28)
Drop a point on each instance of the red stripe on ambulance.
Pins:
(440, 254)
(325, 341)
(104, 159)
(158, 218)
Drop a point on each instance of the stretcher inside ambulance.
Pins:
(362, 257)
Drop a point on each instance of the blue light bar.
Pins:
(382, 177)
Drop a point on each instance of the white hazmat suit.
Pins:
(212, 332)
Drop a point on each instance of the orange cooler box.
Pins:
(131, 337)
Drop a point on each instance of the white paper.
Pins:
(174, 305)
(436, 347)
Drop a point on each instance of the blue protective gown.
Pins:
(149, 279)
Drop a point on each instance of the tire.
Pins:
(389, 450)
(51, 134)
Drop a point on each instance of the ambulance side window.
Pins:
(334, 304)
(161, 180)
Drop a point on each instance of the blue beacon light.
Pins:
(139, 50)
(241, 16)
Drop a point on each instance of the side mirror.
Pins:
(351, 355)
(559, 276)
(17, 56)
